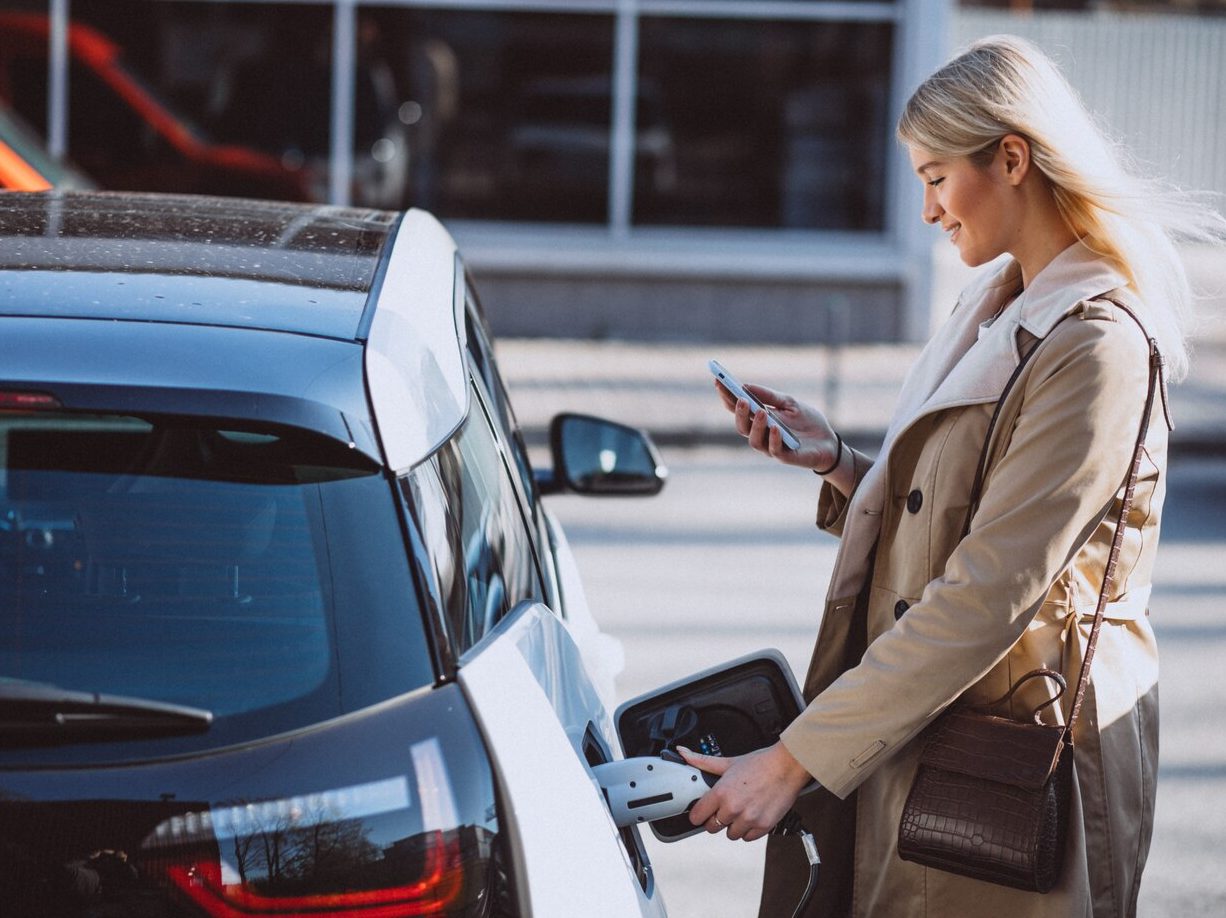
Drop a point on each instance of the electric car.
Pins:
(285, 627)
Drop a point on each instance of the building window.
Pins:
(762, 123)
(704, 113)
(509, 112)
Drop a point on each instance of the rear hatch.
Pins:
(216, 693)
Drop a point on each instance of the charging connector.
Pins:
(646, 788)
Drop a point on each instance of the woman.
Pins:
(918, 616)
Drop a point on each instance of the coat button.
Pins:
(915, 500)
(899, 608)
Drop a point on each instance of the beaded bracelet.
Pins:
(838, 456)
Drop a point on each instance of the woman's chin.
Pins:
(972, 259)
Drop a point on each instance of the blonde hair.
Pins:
(1005, 85)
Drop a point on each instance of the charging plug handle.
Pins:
(646, 788)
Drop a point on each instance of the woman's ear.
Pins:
(1014, 157)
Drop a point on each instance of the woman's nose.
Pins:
(932, 210)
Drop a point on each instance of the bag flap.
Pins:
(995, 748)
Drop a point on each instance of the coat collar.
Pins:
(968, 361)
(1076, 274)
(980, 357)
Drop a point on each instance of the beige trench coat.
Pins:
(945, 618)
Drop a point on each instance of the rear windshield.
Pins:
(258, 574)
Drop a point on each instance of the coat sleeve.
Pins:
(1067, 458)
(832, 503)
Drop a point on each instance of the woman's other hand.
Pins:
(753, 793)
(818, 442)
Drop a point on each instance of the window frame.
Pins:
(523, 534)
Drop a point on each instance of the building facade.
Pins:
(702, 169)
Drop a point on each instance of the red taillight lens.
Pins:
(437, 888)
(27, 401)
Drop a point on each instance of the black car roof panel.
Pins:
(150, 368)
(232, 262)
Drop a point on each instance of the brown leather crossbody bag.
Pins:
(992, 794)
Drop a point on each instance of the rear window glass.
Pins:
(258, 574)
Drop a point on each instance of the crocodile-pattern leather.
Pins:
(996, 748)
(990, 801)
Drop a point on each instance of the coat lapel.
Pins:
(983, 368)
(966, 363)
(960, 362)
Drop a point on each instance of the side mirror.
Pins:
(595, 456)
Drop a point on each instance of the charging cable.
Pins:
(790, 824)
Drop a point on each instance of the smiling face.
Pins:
(970, 202)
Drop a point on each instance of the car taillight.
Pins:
(436, 889)
(27, 401)
(390, 848)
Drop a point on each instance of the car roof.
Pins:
(305, 269)
(346, 321)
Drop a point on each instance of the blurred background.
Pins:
(612, 168)
(637, 186)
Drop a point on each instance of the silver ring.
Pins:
(718, 823)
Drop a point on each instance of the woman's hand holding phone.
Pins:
(756, 405)
(760, 414)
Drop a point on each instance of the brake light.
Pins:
(27, 401)
(437, 889)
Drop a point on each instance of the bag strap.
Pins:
(1156, 363)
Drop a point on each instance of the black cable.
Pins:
(790, 824)
(806, 839)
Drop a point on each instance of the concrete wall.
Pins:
(673, 309)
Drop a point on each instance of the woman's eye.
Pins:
(932, 183)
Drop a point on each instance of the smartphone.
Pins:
(729, 382)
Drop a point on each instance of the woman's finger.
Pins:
(744, 417)
(759, 432)
(725, 396)
(768, 396)
(711, 764)
(775, 443)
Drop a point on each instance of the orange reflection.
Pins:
(18, 175)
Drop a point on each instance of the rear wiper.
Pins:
(39, 712)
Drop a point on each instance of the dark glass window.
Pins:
(106, 133)
(496, 394)
(464, 502)
(510, 112)
(762, 123)
(257, 76)
(497, 114)
(259, 574)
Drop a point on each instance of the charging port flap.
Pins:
(730, 709)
